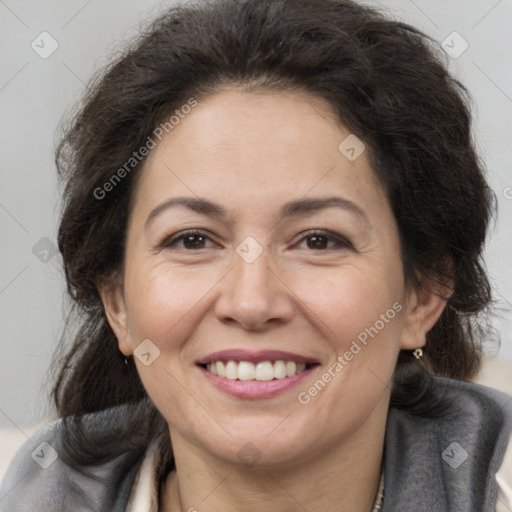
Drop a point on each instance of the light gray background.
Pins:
(36, 92)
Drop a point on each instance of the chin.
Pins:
(265, 440)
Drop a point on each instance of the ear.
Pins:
(112, 296)
(424, 305)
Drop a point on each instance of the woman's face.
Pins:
(256, 238)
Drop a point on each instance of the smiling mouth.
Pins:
(258, 371)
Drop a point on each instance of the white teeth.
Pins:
(280, 370)
(221, 372)
(262, 371)
(231, 370)
(246, 370)
(291, 368)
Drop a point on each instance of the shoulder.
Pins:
(42, 477)
(463, 448)
(504, 479)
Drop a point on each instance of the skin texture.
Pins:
(251, 153)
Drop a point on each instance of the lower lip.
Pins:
(255, 389)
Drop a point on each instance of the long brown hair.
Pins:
(387, 82)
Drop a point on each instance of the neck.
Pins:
(343, 477)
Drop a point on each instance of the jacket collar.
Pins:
(444, 463)
(448, 463)
(457, 454)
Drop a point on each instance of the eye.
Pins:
(324, 240)
(188, 240)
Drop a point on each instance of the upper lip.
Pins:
(255, 356)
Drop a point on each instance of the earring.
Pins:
(418, 353)
(126, 361)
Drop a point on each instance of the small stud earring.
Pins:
(418, 353)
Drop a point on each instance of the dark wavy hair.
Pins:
(386, 81)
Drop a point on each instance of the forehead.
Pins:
(257, 148)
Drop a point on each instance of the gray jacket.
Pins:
(432, 464)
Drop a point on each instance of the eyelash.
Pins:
(339, 242)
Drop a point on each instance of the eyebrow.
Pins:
(297, 208)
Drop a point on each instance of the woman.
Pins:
(273, 227)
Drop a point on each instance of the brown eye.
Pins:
(324, 241)
(191, 240)
(194, 241)
(317, 242)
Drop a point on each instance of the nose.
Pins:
(254, 296)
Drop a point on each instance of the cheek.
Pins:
(165, 306)
(353, 303)
(163, 302)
